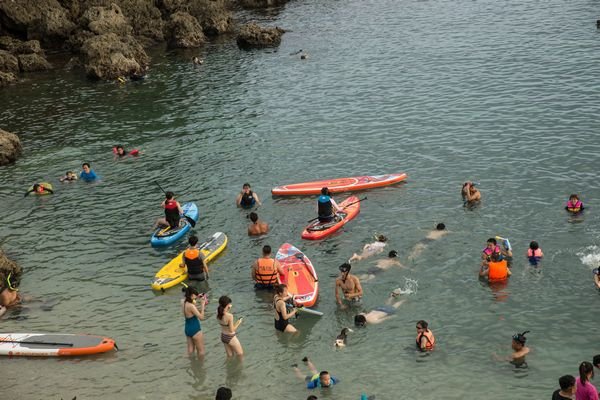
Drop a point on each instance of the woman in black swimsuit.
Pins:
(281, 314)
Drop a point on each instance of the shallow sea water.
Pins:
(504, 93)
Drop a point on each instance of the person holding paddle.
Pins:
(327, 207)
(173, 212)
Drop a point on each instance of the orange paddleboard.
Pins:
(298, 274)
(339, 185)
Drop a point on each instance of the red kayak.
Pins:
(318, 230)
(298, 274)
(339, 185)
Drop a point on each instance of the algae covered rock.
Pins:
(110, 56)
(10, 148)
(253, 36)
(184, 31)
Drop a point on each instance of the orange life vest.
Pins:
(497, 271)
(266, 273)
(430, 339)
(193, 261)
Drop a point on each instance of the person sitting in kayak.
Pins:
(88, 173)
(370, 249)
(247, 198)
(265, 270)
(574, 205)
(38, 188)
(120, 152)
(257, 227)
(70, 176)
(349, 285)
(173, 212)
(327, 207)
(194, 262)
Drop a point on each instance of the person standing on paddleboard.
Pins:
(247, 198)
(194, 262)
(327, 208)
(173, 212)
(349, 285)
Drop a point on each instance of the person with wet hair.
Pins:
(585, 390)
(382, 265)
(316, 379)
(379, 314)
(469, 193)
(370, 249)
(596, 361)
(567, 388)
(433, 235)
(349, 285)
(596, 272)
(247, 198)
(10, 278)
(257, 227)
(517, 358)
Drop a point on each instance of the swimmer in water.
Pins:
(491, 248)
(574, 205)
(379, 314)
(257, 227)
(9, 292)
(596, 361)
(88, 174)
(519, 350)
(68, 177)
(316, 379)
(247, 198)
(534, 253)
(349, 285)
(596, 272)
(437, 233)
(197, 60)
(266, 270)
(370, 249)
(120, 152)
(495, 270)
(425, 340)
(382, 265)
(469, 193)
(282, 315)
(38, 188)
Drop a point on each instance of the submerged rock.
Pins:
(184, 31)
(254, 36)
(10, 150)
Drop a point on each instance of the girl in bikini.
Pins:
(228, 328)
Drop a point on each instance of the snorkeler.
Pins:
(519, 349)
(379, 314)
(574, 205)
(316, 379)
(88, 173)
(68, 177)
(370, 249)
(382, 265)
(257, 227)
(349, 285)
(438, 232)
(534, 253)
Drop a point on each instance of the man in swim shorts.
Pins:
(257, 227)
(379, 314)
(316, 379)
(349, 285)
(382, 265)
(439, 231)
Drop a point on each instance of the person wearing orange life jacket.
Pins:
(496, 269)
(534, 253)
(265, 270)
(173, 212)
(574, 205)
(425, 340)
(194, 262)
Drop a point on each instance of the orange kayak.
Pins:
(318, 230)
(339, 185)
(298, 274)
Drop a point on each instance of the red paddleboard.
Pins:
(298, 274)
(339, 185)
(317, 230)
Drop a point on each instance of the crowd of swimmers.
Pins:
(266, 272)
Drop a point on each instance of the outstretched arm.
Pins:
(256, 198)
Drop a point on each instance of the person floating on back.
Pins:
(327, 208)
(247, 198)
(257, 227)
(39, 188)
(88, 174)
(68, 177)
(120, 152)
(265, 270)
(194, 262)
(425, 340)
(567, 388)
(173, 212)
(574, 205)
(534, 253)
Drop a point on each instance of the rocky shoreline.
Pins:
(108, 38)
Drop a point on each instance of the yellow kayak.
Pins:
(172, 274)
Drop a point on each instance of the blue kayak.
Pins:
(168, 236)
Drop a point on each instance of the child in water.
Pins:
(120, 152)
(534, 253)
(68, 177)
(574, 205)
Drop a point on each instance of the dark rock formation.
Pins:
(261, 3)
(184, 31)
(254, 36)
(110, 56)
(6, 78)
(32, 62)
(8, 62)
(10, 147)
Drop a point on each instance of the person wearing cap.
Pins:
(382, 265)
(349, 285)
(469, 193)
(597, 277)
(439, 231)
(370, 249)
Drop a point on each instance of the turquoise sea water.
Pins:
(504, 93)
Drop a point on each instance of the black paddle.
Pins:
(190, 220)
(347, 205)
(33, 342)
